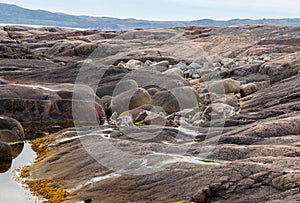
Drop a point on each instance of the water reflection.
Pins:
(6, 162)
(17, 149)
(10, 190)
(5, 165)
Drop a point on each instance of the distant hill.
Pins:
(12, 14)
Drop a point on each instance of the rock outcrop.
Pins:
(193, 114)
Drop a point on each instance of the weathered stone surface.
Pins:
(225, 86)
(10, 130)
(174, 71)
(176, 99)
(135, 64)
(161, 66)
(219, 110)
(124, 85)
(282, 68)
(253, 155)
(47, 110)
(130, 99)
(248, 89)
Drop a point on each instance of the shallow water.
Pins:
(10, 190)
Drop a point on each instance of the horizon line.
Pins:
(157, 20)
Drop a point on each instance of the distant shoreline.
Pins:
(15, 15)
(40, 26)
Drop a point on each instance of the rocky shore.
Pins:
(188, 114)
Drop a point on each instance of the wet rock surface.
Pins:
(191, 114)
(11, 141)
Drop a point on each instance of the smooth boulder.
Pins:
(125, 85)
(135, 64)
(176, 99)
(225, 86)
(174, 71)
(130, 99)
(10, 130)
(160, 66)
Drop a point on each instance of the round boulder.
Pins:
(176, 99)
(160, 66)
(130, 99)
(124, 86)
(135, 64)
(225, 86)
(174, 71)
(10, 130)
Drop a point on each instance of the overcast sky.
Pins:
(170, 9)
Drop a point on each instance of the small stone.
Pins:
(155, 119)
(194, 66)
(135, 64)
(219, 110)
(122, 64)
(227, 62)
(195, 76)
(180, 65)
(266, 58)
(148, 62)
(160, 66)
(125, 121)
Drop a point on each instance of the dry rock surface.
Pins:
(187, 114)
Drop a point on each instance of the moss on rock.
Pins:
(40, 146)
(48, 189)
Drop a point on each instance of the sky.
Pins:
(169, 9)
